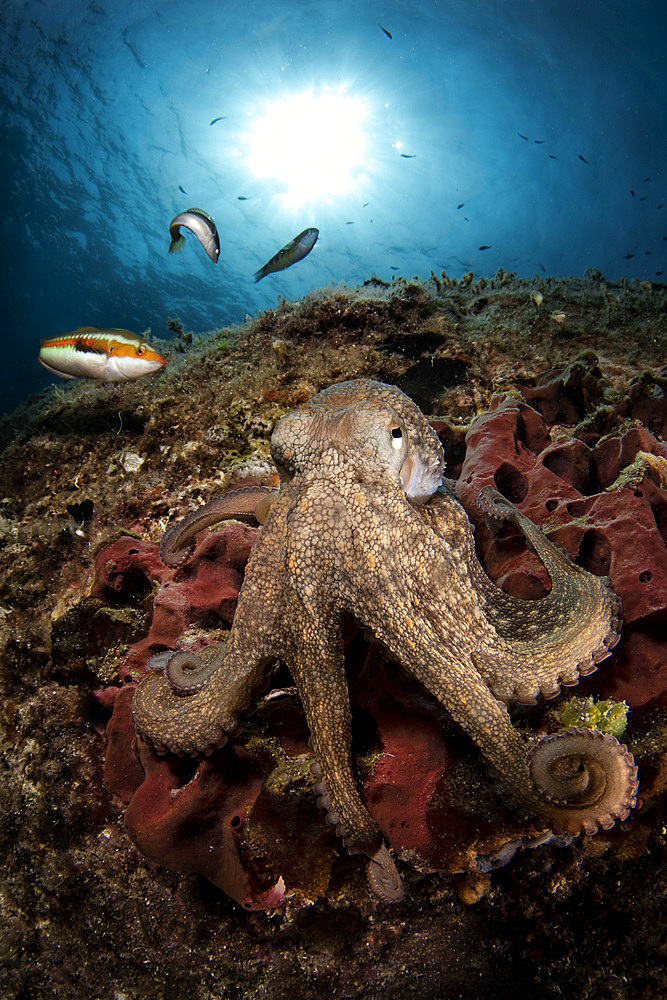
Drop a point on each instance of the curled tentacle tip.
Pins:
(158, 661)
(585, 778)
(174, 558)
(383, 878)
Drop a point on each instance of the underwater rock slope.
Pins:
(552, 392)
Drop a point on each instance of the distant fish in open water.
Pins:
(201, 225)
(182, 190)
(220, 119)
(295, 250)
(387, 33)
(109, 355)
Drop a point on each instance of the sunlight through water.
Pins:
(311, 144)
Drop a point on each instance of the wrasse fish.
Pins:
(109, 355)
(201, 225)
(295, 250)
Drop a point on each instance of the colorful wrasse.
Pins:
(201, 225)
(109, 355)
(295, 250)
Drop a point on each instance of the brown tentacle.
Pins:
(199, 722)
(178, 541)
(383, 877)
(553, 640)
(586, 778)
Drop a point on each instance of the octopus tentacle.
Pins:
(586, 778)
(182, 722)
(443, 655)
(383, 878)
(535, 645)
(318, 667)
(233, 674)
(178, 541)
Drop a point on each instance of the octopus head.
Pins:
(368, 428)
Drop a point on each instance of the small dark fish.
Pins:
(366, 204)
(460, 206)
(182, 190)
(538, 142)
(387, 33)
(201, 225)
(582, 158)
(220, 119)
(633, 193)
(292, 252)
(643, 197)
(408, 156)
(485, 246)
(629, 256)
(349, 223)
(241, 197)
(552, 157)
(648, 252)
(523, 136)
(658, 273)
(396, 269)
(646, 180)
(661, 206)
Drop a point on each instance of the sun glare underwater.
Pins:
(416, 137)
(312, 144)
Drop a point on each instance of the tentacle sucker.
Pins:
(586, 778)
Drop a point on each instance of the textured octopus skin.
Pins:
(362, 525)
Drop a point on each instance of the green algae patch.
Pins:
(606, 715)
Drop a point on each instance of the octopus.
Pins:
(364, 524)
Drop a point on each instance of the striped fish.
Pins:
(109, 355)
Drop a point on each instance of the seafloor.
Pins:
(87, 467)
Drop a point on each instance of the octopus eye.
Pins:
(397, 438)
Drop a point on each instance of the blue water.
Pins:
(106, 109)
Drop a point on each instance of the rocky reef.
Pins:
(218, 877)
